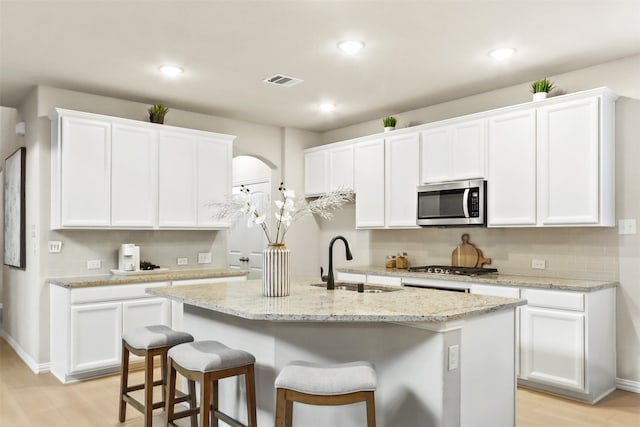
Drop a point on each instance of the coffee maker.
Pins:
(129, 257)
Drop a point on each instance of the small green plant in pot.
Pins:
(541, 88)
(157, 113)
(389, 123)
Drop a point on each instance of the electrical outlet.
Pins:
(55, 247)
(204, 257)
(538, 264)
(454, 356)
(94, 264)
(627, 226)
(183, 261)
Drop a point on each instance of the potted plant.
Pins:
(389, 123)
(541, 88)
(157, 113)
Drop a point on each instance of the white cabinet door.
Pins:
(553, 347)
(213, 180)
(315, 172)
(436, 155)
(454, 152)
(177, 190)
(85, 172)
(568, 170)
(511, 184)
(369, 174)
(402, 154)
(469, 153)
(134, 176)
(95, 336)
(144, 312)
(340, 170)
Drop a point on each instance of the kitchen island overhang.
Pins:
(442, 358)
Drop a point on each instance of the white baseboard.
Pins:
(628, 385)
(37, 368)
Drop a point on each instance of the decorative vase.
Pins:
(275, 271)
(389, 128)
(538, 96)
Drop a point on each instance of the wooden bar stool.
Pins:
(148, 342)
(328, 385)
(207, 362)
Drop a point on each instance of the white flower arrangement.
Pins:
(288, 210)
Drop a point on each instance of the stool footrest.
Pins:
(227, 419)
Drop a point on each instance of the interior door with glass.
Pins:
(246, 243)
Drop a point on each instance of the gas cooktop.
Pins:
(447, 269)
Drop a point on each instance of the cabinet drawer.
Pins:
(384, 280)
(112, 293)
(496, 291)
(351, 277)
(554, 299)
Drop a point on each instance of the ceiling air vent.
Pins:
(282, 80)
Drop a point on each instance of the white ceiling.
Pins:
(417, 53)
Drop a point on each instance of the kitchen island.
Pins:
(442, 358)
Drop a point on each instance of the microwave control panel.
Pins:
(474, 209)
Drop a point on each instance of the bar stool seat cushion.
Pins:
(155, 336)
(207, 356)
(313, 378)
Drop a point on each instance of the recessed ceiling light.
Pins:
(502, 53)
(351, 46)
(327, 107)
(171, 70)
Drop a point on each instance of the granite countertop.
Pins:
(311, 303)
(161, 276)
(579, 285)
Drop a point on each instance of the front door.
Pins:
(246, 243)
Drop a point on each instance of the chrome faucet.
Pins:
(330, 281)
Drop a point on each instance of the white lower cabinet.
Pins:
(87, 326)
(553, 347)
(95, 335)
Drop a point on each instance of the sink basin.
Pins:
(368, 289)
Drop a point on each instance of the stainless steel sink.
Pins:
(368, 289)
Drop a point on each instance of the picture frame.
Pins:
(14, 209)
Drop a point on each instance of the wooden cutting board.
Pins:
(467, 255)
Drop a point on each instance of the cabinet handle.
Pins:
(244, 259)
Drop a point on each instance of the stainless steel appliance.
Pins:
(445, 285)
(448, 269)
(455, 203)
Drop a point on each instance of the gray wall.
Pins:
(598, 253)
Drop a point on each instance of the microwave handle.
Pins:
(465, 202)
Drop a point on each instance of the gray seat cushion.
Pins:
(313, 378)
(207, 356)
(155, 336)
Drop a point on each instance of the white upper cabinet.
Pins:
(108, 172)
(454, 152)
(403, 176)
(387, 172)
(369, 176)
(83, 184)
(177, 184)
(511, 184)
(134, 176)
(571, 174)
(553, 164)
(328, 168)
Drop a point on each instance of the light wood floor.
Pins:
(41, 400)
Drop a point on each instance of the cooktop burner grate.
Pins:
(448, 269)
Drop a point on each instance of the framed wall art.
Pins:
(14, 209)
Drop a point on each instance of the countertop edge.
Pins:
(113, 280)
(556, 283)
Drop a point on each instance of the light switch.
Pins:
(204, 257)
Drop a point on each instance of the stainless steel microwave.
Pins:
(455, 203)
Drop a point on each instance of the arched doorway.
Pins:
(244, 243)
